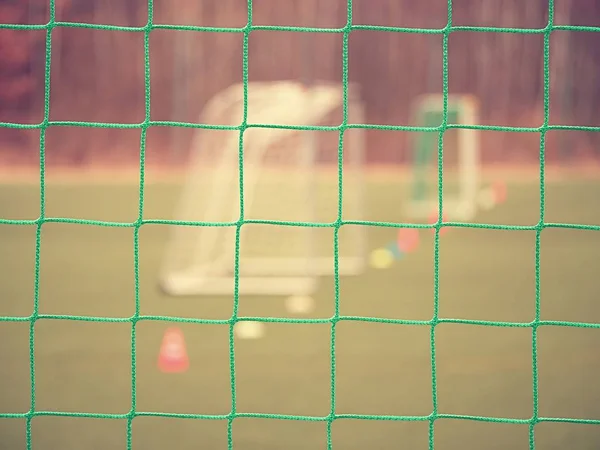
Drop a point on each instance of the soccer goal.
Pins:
(460, 164)
(290, 194)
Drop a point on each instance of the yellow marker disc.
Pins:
(381, 258)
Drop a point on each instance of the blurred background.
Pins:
(81, 272)
(99, 75)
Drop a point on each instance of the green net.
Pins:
(337, 317)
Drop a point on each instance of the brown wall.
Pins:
(99, 75)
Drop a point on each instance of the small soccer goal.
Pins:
(460, 159)
(290, 194)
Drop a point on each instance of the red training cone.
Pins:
(173, 356)
(408, 239)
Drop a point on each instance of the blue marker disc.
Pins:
(393, 247)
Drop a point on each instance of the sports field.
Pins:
(381, 368)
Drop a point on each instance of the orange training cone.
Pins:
(499, 188)
(173, 356)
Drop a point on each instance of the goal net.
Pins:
(460, 159)
(290, 190)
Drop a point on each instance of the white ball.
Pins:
(465, 212)
(299, 304)
(249, 330)
(486, 199)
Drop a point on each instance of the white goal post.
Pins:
(461, 158)
(289, 175)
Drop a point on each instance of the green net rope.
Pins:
(435, 320)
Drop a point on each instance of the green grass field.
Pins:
(382, 369)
